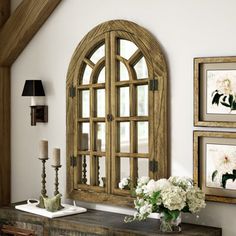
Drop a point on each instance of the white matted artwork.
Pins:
(215, 165)
(215, 91)
(221, 91)
(220, 163)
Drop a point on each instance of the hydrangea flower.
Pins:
(195, 199)
(173, 198)
(124, 183)
(166, 196)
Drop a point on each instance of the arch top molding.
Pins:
(148, 41)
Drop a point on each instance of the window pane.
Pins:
(124, 168)
(85, 103)
(142, 100)
(141, 69)
(127, 48)
(124, 101)
(98, 54)
(86, 75)
(100, 137)
(101, 76)
(143, 167)
(124, 129)
(83, 136)
(123, 72)
(142, 137)
(100, 102)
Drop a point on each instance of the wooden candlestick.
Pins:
(56, 192)
(43, 190)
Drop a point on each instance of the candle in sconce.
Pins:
(43, 149)
(56, 157)
(84, 142)
(99, 145)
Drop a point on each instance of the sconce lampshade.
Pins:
(33, 88)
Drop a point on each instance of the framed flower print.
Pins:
(215, 91)
(215, 165)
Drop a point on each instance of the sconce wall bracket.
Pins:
(39, 114)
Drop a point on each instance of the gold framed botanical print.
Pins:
(215, 165)
(215, 91)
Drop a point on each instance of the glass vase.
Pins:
(170, 225)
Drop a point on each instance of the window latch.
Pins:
(153, 166)
(109, 117)
(72, 161)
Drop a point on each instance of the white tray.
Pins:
(67, 210)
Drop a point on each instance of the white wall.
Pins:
(184, 28)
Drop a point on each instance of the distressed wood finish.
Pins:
(198, 62)
(96, 223)
(4, 119)
(11, 230)
(108, 32)
(5, 172)
(5, 8)
(22, 26)
(196, 161)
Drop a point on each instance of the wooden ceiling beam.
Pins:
(22, 25)
(5, 11)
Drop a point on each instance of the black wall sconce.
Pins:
(34, 88)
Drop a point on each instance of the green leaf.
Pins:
(170, 215)
(233, 107)
(225, 104)
(231, 100)
(185, 209)
(214, 175)
(228, 176)
(216, 97)
(175, 214)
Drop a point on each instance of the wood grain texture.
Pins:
(5, 184)
(109, 32)
(11, 230)
(198, 80)
(5, 11)
(197, 169)
(99, 223)
(22, 26)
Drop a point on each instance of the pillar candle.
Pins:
(43, 149)
(56, 157)
(84, 142)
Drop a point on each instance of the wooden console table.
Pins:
(93, 223)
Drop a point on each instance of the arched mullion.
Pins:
(135, 57)
(89, 62)
(131, 72)
(96, 70)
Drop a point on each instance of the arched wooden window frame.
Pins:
(157, 71)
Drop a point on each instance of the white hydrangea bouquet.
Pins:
(169, 197)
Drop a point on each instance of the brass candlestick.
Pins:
(56, 192)
(43, 191)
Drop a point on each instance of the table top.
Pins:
(104, 223)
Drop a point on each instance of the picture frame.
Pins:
(215, 165)
(214, 91)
